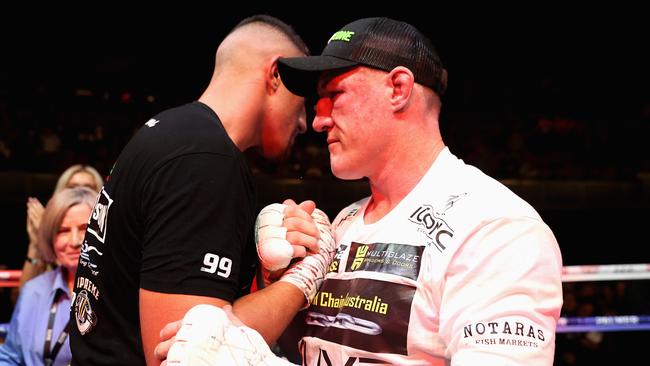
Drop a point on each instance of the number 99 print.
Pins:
(222, 266)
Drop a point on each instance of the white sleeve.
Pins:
(502, 295)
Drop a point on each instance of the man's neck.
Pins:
(238, 109)
(398, 178)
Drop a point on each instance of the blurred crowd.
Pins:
(51, 130)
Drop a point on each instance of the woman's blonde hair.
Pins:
(77, 168)
(53, 215)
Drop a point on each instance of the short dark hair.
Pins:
(279, 25)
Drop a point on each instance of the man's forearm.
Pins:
(270, 310)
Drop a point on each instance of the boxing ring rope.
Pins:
(602, 272)
(606, 272)
(10, 277)
(614, 323)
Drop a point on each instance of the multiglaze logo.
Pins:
(359, 256)
(398, 259)
(434, 227)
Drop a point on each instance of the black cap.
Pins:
(380, 43)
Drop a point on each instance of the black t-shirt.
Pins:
(175, 216)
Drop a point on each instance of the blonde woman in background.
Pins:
(37, 333)
(78, 175)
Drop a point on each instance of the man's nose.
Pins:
(323, 118)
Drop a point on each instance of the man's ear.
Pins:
(401, 80)
(273, 77)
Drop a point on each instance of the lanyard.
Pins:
(50, 355)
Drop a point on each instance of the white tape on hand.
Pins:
(309, 273)
(273, 249)
(208, 337)
(199, 338)
(276, 253)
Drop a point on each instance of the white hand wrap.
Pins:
(208, 338)
(273, 249)
(275, 252)
(309, 273)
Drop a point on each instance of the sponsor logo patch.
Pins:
(366, 314)
(504, 332)
(432, 226)
(398, 259)
(99, 216)
(335, 265)
(152, 122)
(84, 315)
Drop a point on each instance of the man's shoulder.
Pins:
(468, 197)
(184, 119)
(188, 129)
(188, 110)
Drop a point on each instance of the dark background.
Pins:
(595, 58)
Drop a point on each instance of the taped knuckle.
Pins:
(271, 215)
(275, 253)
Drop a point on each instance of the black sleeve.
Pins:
(198, 219)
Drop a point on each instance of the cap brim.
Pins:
(300, 74)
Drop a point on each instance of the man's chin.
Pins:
(345, 174)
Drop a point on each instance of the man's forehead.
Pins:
(334, 76)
